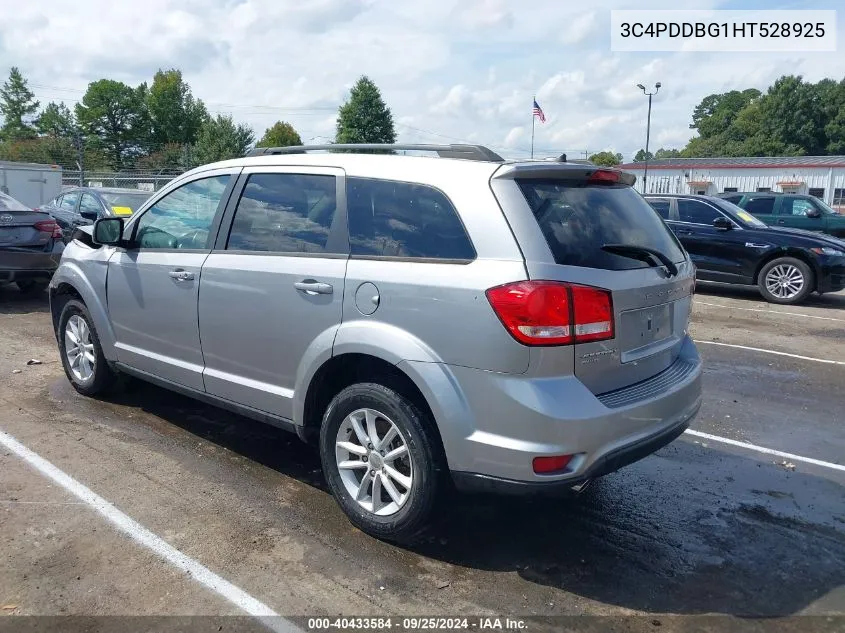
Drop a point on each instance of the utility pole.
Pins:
(648, 128)
(80, 157)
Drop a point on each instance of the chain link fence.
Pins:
(143, 180)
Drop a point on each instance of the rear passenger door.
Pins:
(273, 285)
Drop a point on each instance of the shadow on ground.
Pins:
(13, 301)
(689, 530)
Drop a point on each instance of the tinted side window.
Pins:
(400, 219)
(284, 213)
(69, 201)
(760, 206)
(661, 206)
(89, 204)
(734, 199)
(183, 217)
(795, 206)
(696, 212)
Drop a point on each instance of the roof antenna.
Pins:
(562, 158)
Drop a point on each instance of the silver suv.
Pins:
(501, 326)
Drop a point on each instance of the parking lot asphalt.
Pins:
(700, 527)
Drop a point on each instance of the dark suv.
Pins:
(792, 210)
(729, 245)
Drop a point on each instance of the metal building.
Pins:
(820, 176)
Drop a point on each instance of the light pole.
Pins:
(648, 128)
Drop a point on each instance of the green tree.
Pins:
(56, 121)
(716, 112)
(281, 134)
(175, 115)
(220, 138)
(17, 102)
(606, 159)
(792, 115)
(365, 118)
(642, 155)
(667, 153)
(114, 118)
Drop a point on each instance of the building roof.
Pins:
(744, 162)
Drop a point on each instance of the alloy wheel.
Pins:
(374, 463)
(785, 281)
(79, 349)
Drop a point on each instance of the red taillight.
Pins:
(552, 312)
(546, 465)
(49, 226)
(605, 175)
(593, 314)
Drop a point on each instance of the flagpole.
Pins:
(532, 125)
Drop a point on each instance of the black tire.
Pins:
(809, 280)
(104, 378)
(411, 519)
(32, 286)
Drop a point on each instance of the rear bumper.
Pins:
(606, 464)
(23, 264)
(509, 420)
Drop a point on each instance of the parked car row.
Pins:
(32, 240)
(791, 210)
(729, 245)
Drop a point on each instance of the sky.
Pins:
(450, 70)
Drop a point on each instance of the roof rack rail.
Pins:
(467, 152)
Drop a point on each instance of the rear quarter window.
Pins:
(577, 219)
(399, 219)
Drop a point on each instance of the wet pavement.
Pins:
(700, 527)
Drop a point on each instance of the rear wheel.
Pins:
(380, 460)
(32, 286)
(786, 280)
(81, 353)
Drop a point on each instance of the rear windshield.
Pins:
(578, 219)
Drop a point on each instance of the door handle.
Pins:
(781, 222)
(181, 275)
(311, 287)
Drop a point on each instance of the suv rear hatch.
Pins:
(593, 243)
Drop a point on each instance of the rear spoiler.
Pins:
(565, 171)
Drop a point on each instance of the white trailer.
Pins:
(30, 183)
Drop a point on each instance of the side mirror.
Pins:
(814, 213)
(723, 224)
(108, 231)
(89, 215)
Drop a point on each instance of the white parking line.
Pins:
(796, 314)
(771, 351)
(143, 536)
(767, 451)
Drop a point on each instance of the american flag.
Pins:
(538, 112)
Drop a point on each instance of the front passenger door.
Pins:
(153, 284)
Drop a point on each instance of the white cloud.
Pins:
(450, 70)
(579, 29)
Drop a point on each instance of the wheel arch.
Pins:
(787, 252)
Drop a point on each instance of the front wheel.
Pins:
(786, 280)
(81, 353)
(380, 459)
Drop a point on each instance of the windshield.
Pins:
(8, 203)
(826, 210)
(739, 215)
(120, 201)
(579, 219)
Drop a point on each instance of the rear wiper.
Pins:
(643, 253)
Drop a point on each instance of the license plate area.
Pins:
(646, 331)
